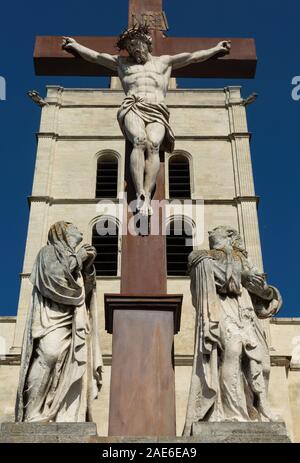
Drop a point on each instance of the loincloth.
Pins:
(149, 113)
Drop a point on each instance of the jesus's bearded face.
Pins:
(138, 50)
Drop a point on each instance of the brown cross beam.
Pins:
(50, 59)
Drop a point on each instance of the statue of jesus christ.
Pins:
(143, 115)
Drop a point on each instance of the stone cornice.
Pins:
(230, 137)
(285, 320)
(51, 200)
(175, 90)
(10, 359)
(8, 319)
(241, 199)
(39, 199)
(117, 106)
(184, 360)
(46, 135)
(280, 360)
(227, 98)
(230, 104)
(102, 278)
(187, 360)
(56, 136)
(204, 137)
(294, 368)
(180, 360)
(236, 135)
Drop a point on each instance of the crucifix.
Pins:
(143, 317)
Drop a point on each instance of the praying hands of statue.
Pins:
(87, 254)
(256, 284)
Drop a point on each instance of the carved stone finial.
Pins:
(250, 99)
(35, 96)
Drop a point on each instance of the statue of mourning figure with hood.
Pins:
(231, 362)
(61, 363)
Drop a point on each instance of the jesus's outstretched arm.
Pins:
(104, 59)
(184, 59)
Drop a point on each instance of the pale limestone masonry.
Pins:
(79, 125)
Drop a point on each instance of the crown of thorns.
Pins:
(139, 31)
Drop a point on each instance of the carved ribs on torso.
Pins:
(149, 80)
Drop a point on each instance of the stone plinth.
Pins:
(142, 392)
(87, 433)
(236, 432)
(47, 432)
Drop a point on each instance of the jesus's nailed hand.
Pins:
(224, 46)
(68, 43)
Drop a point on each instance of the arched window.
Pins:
(105, 240)
(107, 176)
(179, 177)
(179, 246)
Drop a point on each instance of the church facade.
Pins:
(79, 178)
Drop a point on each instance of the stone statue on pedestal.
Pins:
(61, 361)
(231, 363)
(143, 115)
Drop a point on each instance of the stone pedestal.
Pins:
(142, 392)
(87, 433)
(48, 432)
(236, 432)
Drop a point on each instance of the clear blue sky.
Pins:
(274, 119)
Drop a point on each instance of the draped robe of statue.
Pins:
(227, 323)
(61, 361)
(148, 113)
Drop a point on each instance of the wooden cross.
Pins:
(50, 59)
(144, 318)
